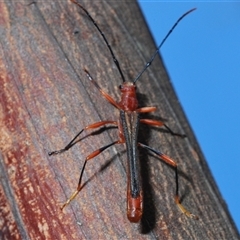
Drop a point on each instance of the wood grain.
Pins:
(46, 99)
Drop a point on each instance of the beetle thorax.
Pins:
(128, 97)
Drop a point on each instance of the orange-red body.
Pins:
(128, 131)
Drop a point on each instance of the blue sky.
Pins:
(202, 57)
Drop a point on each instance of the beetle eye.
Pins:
(120, 87)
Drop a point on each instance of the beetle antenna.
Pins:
(157, 50)
(104, 38)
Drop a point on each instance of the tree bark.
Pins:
(46, 99)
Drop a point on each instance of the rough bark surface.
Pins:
(46, 99)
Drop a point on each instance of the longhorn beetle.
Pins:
(128, 124)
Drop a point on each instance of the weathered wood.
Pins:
(46, 99)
